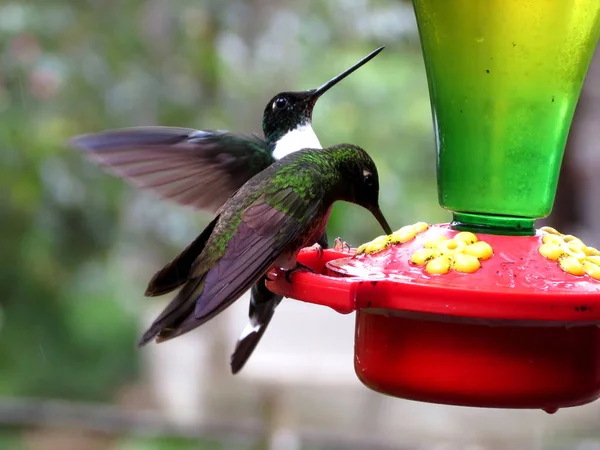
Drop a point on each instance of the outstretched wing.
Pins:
(177, 272)
(201, 169)
(264, 234)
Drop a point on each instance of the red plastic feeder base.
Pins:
(517, 332)
(478, 365)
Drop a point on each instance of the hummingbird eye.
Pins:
(368, 178)
(280, 103)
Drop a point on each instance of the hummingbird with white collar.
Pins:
(204, 168)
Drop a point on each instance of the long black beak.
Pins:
(381, 219)
(324, 88)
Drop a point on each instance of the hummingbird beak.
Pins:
(324, 88)
(381, 219)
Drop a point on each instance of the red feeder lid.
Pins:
(437, 270)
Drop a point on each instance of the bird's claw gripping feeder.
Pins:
(487, 310)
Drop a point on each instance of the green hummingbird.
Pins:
(203, 168)
(262, 226)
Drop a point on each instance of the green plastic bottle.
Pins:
(504, 79)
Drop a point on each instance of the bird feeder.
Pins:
(486, 310)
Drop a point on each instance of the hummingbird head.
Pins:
(287, 111)
(359, 182)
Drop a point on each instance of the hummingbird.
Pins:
(203, 168)
(262, 226)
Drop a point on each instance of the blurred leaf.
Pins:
(73, 236)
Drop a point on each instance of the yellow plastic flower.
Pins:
(424, 255)
(401, 236)
(440, 265)
(462, 253)
(572, 255)
(440, 254)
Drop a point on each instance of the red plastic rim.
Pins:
(516, 285)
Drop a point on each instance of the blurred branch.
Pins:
(112, 420)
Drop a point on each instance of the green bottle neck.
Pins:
(492, 224)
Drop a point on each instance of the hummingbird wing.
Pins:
(262, 239)
(201, 169)
(177, 272)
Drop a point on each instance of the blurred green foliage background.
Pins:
(68, 320)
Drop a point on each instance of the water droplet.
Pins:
(479, 39)
(550, 410)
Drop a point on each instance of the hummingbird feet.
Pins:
(299, 266)
(318, 248)
(340, 246)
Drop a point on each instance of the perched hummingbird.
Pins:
(263, 225)
(202, 169)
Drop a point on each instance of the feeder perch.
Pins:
(486, 310)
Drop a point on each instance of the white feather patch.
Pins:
(301, 137)
(248, 330)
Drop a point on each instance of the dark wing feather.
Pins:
(177, 272)
(264, 234)
(201, 169)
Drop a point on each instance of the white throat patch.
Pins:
(301, 137)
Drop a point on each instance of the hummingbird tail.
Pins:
(178, 317)
(159, 332)
(246, 344)
(177, 272)
(262, 307)
(147, 337)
